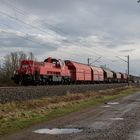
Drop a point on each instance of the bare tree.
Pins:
(31, 56)
(11, 62)
(22, 56)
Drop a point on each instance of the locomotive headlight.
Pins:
(15, 72)
(27, 72)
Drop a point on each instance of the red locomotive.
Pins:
(53, 71)
(47, 72)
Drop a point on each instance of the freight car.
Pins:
(124, 77)
(117, 77)
(108, 76)
(134, 79)
(56, 71)
(97, 75)
(80, 73)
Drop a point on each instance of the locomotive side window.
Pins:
(56, 63)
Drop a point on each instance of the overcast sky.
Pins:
(73, 29)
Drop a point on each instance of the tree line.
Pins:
(10, 63)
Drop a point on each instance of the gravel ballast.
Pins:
(9, 94)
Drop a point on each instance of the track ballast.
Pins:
(10, 94)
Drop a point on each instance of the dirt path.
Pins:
(118, 121)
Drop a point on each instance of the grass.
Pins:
(18, 115)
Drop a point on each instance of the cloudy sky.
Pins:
(73, 29)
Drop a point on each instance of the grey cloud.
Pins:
(115, 22)
(82, 18)
(27, 43)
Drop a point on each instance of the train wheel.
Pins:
(50, 81)
(20, 82)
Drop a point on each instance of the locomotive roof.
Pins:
(75, 62)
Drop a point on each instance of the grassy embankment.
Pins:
(18, 115)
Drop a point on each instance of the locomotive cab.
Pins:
(56, 62)
(28, 73)
(26, 67)
(54, 71)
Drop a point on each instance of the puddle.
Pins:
(137, 100)
(106, 106)
(113, 103)
(56, 131)
(117, 119)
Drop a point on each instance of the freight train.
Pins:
(56, 71)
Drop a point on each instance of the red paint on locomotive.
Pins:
(53, 66)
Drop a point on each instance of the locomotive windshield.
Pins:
(26, 64)
(57, 62)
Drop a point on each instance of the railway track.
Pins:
(22, 93)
